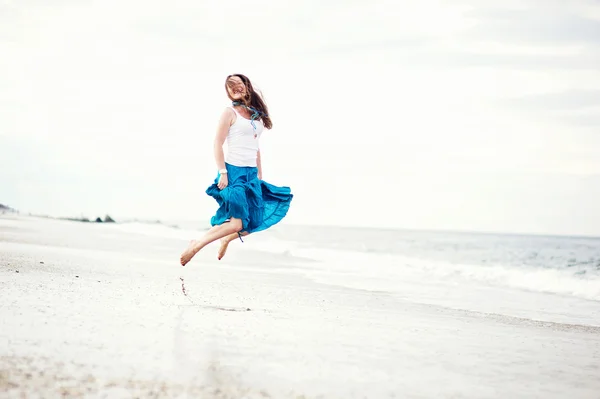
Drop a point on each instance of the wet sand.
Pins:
(91, 310)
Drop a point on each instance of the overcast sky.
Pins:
(469, 115)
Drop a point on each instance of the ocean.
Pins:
(553, 264)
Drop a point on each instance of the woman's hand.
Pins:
(223, 181)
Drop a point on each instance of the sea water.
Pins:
(554, 264)
(554, 278)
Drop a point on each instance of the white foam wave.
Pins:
(547, 280)
(388, 271)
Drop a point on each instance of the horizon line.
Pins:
(170, 223)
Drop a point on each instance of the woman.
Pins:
(247, 204)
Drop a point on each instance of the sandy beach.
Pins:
(97, 310)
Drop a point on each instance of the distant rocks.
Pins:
(107, 219)
(7, 209)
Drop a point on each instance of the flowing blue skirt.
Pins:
(257, 203)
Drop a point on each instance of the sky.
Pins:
(463, 115)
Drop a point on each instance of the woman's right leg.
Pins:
(225, 242)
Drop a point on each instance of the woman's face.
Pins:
(236, 88)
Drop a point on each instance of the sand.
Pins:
(96, 310)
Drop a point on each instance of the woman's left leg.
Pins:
(216, 232)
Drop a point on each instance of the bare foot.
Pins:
(223, 248)
(189, 253)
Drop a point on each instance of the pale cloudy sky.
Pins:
(476, 115)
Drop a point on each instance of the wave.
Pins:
(395, 272)
(582, 283)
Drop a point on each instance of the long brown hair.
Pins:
(253, 99)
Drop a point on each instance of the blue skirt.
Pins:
(257, 203)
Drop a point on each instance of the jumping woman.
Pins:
(247, 204)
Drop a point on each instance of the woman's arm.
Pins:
(259, 165)
(222, 128)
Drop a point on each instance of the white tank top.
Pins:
(242, 141)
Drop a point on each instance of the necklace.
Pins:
(255, 113)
